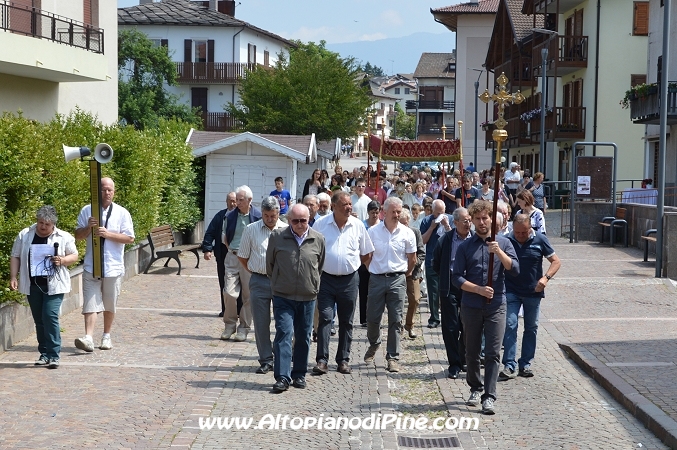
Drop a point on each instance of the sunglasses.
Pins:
(298, 221)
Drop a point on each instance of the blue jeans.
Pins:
(293, 319)
(432, 280)
(531, 312)
(45, 311)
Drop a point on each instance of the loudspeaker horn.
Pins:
(72, 153)
(103, 153)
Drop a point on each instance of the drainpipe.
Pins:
(232, 100)
(594, 125)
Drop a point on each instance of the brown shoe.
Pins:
(343, 368)
(320, 368)
(371, 352)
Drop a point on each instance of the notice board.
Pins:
(595, 176)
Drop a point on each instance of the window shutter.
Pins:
(636, 79)
(95, 13)
(640, 23)
(210, 50)
(87, 12)
(187, 50)
(164, 43)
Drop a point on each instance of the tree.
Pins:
(405, 124)
(143, 68)
(373, 71)
(312, 91)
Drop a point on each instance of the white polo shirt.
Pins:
(391, 249)
(343, 247)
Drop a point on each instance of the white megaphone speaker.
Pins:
(72, 153)
(103, 153)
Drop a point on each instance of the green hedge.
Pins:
(152, 169)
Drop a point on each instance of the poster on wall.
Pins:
(583, 185)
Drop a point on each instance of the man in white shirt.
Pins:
(393, 260)
(324, 205)
(360, 201)
(347, 245)
(101, 294)
(252, 255)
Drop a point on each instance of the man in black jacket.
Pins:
(211, 244)
(450, 295)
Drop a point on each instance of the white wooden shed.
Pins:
(255, 160)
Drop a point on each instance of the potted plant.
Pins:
(638, 91)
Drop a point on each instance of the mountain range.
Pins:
(396, 55)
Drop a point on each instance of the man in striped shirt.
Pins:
(252, 255)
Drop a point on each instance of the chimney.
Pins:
(212, 5)
(227, 7)
(144, 2)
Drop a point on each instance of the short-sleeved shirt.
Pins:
(360, 206)
(118, 221)
(254, 244)
(283, 198)
(391, 249)
(343, 247)
(530, 256)
(471, 195)
(426, 223)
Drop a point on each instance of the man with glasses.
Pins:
(483, 307)
(450, 295)
(294, 262)
(347, 247)
(359, 200)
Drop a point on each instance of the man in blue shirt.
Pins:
(525, 289)
(467, 194)
(482, 306)
(432, 228)
(282, 195)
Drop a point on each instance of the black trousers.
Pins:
(452, 328)
(364, 292)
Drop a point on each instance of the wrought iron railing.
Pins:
(430, 104)
(45, 25)
(214, 73)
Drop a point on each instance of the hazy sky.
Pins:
(339, 20)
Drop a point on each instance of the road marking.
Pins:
(641, 364)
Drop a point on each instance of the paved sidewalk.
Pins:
(168, 369)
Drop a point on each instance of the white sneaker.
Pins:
(227, 334)
(474, 398)
(106, 343)
(85, 343)
(240, 336)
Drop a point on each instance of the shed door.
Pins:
(252, 176)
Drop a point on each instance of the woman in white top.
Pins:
(526, 204)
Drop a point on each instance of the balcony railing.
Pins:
(518, 69)
(211, 73)
(647, 109)
(45, 25)
(566, 54)
(436, 129)
(430, 104)
(220, 121)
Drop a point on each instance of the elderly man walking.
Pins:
(450, 295)
(237, 277)
(252, 255)
(393, 260)
(527, 289)
(347, 246)
(482, 306)
(212, 244)
(294, 262)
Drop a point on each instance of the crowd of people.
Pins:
(378, 243)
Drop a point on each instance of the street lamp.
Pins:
(544, 56)
(477, 86)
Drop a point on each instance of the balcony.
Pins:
(211, 73)
(646, 110)
(519, 70)
(436, 130)
(571, 55)
(220, 121)
(565, 123)
(551, 5)
(410, 105)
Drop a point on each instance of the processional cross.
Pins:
(499, 135)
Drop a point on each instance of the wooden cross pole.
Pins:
(502, 97)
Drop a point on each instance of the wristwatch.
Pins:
(548, 277)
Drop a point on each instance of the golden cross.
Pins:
(502, 97)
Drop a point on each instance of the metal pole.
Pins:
(477, 86)
(660, 201)
(541, 161)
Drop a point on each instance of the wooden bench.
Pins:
(647, 237)
(613, 222)
(163, 235)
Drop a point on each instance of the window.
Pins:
(200, 51)
(156, 42)
(636, 79)
(251, 54)
(397, 91)
(91, 12)
(640, 20)
(266, 58)
(407, 91)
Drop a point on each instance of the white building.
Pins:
(56, 55)
(210, 47)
